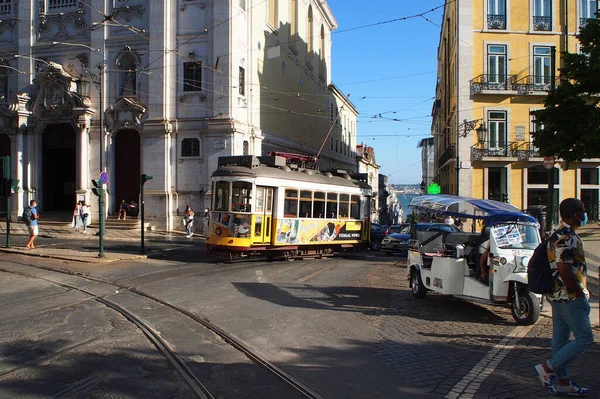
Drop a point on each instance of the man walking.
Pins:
(33, 224)
(569, 300)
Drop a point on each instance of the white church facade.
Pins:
(164, 88)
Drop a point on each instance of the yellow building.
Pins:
(497, 59)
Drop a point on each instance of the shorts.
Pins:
(33, 230)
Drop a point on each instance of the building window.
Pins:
(542, 15)
(497, 129)
(293, 23)
(331, 144)
(190, 147)
(272, 13)
(496, 63)
(322, 74)
(242, 82)
(589, 176)
(496, 18)
(337, 146)
(309, 36)
(246, 148)
(331, 112)
(542, 67)
(54, 6)
(127, 75)
(5, 7)
(587, 10)
(192, 76)
(332, 205)
(497, 184)
(4, 73)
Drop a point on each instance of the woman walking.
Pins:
(189, 221)
(77, 221)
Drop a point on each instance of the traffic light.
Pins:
(97, 189)
(14, 187)
(144, 178)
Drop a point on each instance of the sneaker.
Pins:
(547, 379)
(188, 236)
(191, 234)
(570, 390)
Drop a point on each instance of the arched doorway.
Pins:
(59, 167)
(4, 145)
(127, 166)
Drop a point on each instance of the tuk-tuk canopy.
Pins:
(491, 212)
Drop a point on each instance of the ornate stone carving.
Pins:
(61, 21)
(55, 100)
(127, 113)
(128, 12)
(84, 59)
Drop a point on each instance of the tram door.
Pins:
(263, 215)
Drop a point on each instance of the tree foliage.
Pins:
(569, 125)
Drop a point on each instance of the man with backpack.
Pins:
(569, 300)
(30, 216)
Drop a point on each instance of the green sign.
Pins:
(434, 188)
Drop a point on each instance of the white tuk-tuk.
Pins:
(449, 263)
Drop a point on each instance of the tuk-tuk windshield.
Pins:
(516, 236)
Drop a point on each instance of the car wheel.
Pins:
(376, 245)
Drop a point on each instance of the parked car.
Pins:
(398, 242)
(395, 228)
(378, 232)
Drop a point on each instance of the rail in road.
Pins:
(101, 290)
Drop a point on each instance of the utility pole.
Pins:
(550, 211)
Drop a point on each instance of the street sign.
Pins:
(549, 162)
(434, 188)
(104, 177)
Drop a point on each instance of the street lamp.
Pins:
(481, 133)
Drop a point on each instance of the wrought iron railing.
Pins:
(513, 149)
(448, 153)
(542, 23)
(496, 21)
(532, 83)
(494, 82)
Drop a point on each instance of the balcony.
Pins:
(522, 151)
(542, 24)
(493, 84)
(534, 84)
(449, 153)
(496, 21)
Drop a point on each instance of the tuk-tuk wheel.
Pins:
(418, 289)
(527, 311)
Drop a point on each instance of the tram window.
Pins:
(290, 204)
(332, 205)
(344, 206)
(355, 207)
(319, 205)
(222, 196)
(305, 204)
(260, 199)
(269, 200)
(241, 195)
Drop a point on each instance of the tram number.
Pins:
(437, 282)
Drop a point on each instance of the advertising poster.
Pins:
(307, 231)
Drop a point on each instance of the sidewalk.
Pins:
(18, 231)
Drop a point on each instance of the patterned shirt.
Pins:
(565, 246)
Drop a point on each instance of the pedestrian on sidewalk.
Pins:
(189, 221)
(77, 222)
(85, 213)
(569, 301)
(32, 227)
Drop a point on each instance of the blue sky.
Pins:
(394, 66)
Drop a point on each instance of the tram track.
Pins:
(159, 342)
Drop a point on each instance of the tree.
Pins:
(569, 125)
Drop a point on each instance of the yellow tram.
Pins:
(281, 205)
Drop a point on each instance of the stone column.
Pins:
(83, 159)
(19, 171)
